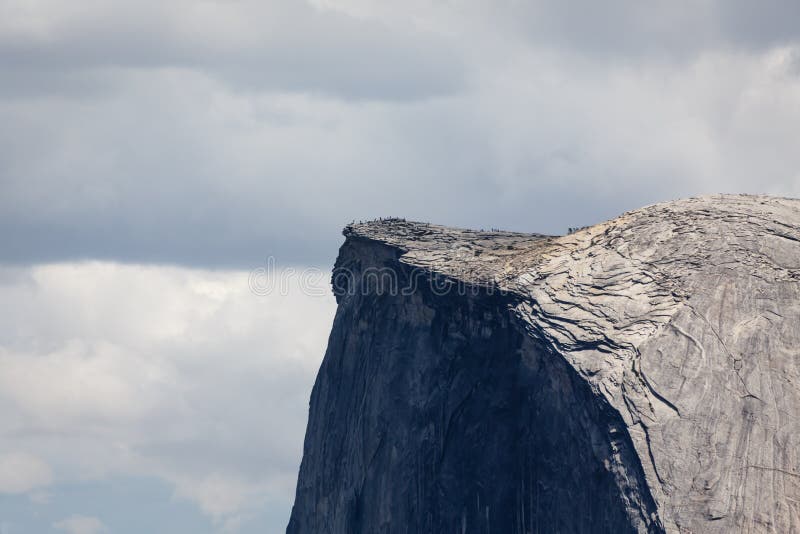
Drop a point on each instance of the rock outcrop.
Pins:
(640, 375)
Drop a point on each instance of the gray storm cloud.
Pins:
(216, 133)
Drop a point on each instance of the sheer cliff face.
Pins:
(637, 376)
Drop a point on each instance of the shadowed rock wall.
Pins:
(437, 413)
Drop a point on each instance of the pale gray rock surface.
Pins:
(640, 375)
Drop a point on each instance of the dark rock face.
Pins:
(434, 413)
(480, 382)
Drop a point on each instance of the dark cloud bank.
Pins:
(215, 134)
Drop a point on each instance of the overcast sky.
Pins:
(152, 152)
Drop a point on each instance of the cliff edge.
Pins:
(640, 375)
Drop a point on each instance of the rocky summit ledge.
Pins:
(688, 234)
(680, 321)
(475, 256)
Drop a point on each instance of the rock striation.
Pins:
(640, 375)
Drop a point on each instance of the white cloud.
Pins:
(86, 380)
(21, 472)
(81, 524)
(231, 499)
(181, 374)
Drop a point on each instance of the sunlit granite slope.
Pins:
(640, 375)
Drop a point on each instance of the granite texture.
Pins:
(640, 375)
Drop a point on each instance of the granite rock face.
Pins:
(640, 375)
